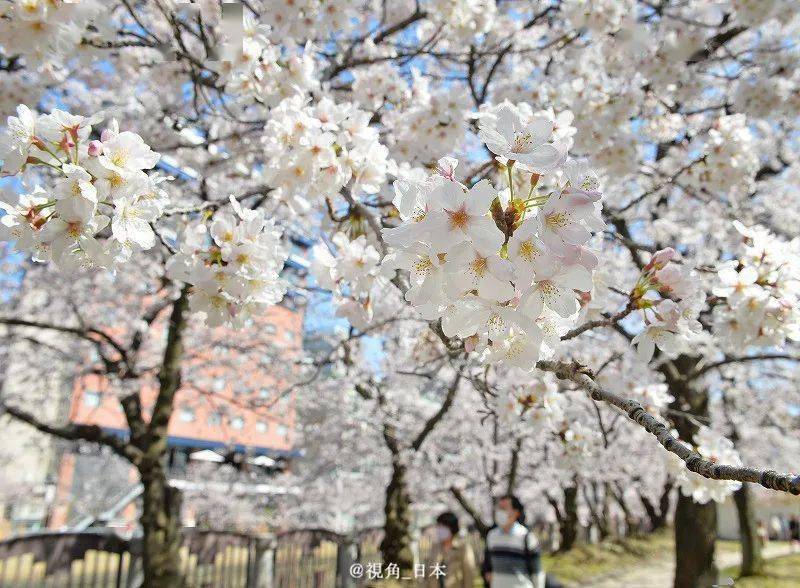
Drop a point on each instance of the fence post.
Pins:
(261, 570)
(346, 556)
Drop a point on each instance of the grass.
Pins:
(781, 572)
(587, 561)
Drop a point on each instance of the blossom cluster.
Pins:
(431, 124)
(538, 403)
(351, 270)
(713, 447)
(261, 71)
(377, 85)
(501, 270)
(233, 263)
(43, 31)
(670, 300)
(99, 182)
(306, 19)
(730, 158)
(315, 150)
(760, 292)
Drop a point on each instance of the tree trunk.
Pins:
(396, 544)
(568, 525)
(161, 517)
(695, 537)
(695, 524)
(658, 516)
(752, 562)
(160, 520)
(618, 494)
(663, 504)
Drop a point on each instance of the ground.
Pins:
(781, 572)
(620, 563)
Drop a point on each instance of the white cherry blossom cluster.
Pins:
(760, 292)
(765, 97)
(262, 71)
(501, 270)
(600, 16)
(46, 31)
(463, 19)
(351, 270)
(537, 141)
(233, 263)
(95, 183)
(431, 123)
(538, 404)
(730, 158)
(580, 442)
(713, 447)
(670, 299)
(306, 19)
(377, 85)
(315, 150)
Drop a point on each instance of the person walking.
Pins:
(794, 533)
(512, 558)
(453, 556)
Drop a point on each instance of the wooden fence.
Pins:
(308, 558)
(102, 559)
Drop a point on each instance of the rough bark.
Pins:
(632, 524)
(695, 524)
(695, 537)
(568, 524)
(658, 516)
(752, 561)
(470, 509)
(160, 518)
(396, 543)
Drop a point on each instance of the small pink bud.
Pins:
(95, 148)
(470, 343)
(663, 257)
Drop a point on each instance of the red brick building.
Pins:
(234, 401)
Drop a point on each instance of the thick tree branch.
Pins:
(75, 432)
(169, 380)
(431, 423)
(90, 334)
(715, 43)
(468, 507)
(694, 461)
(739, 359)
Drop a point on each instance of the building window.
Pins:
(91, 399)
(214, 419)
(262, 427)
(187, 415)
(283, 431)
(237, 423)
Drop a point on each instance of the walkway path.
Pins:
(658, 573)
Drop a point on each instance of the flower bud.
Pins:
(663, 256)
(95, 148)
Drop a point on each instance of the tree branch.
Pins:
(468, 507)
(739, 359)
(90, 334)
(577, 374)
(75, 432)
(438, 415)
